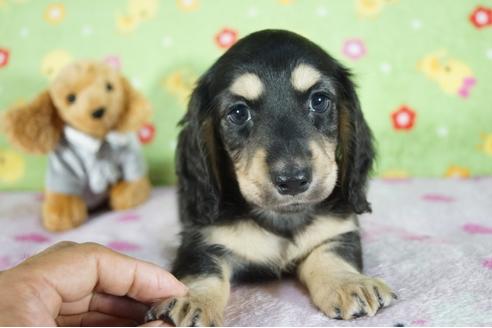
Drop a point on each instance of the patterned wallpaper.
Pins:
(423, 67)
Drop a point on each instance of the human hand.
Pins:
(87, 284)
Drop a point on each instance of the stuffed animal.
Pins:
(86, 121)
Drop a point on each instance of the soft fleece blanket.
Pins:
(431, 240)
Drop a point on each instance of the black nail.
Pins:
(380, 299)
(338, 314)
(196, 317)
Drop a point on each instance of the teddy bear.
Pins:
(86, 121)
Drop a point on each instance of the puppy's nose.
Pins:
(292, 182)
(98, 113)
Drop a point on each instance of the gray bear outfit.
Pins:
(85, 166)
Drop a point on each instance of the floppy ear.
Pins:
(34, 127)
(136, 110)
(196, 162)
(355, 149)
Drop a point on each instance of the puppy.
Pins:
(272, 163)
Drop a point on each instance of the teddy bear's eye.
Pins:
(71, 98)
(109, 86)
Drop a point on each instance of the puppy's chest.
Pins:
(250, 242)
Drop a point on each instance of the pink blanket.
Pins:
(431, 240)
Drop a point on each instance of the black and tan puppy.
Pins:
(272, 163)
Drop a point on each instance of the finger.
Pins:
(94, 319)
(71, 272)
(142, 281)
(156, 323)
(119, 306)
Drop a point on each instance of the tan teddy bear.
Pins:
(86, 121)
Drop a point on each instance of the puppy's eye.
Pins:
(319, 102)
(71, 98)
(239, 114)
(109, 86)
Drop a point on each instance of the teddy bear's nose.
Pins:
(98, 113)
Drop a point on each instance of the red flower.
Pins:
(4, 57)
(481, 17)
(226, 38)
(403, 118)
(146, 133)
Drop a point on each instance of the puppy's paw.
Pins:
(128, 194)
(63, 212)
(350, 296)
(186, 311)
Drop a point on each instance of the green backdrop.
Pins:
(424, 68)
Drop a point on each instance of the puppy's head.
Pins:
(286, 117)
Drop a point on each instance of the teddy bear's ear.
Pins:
(137, 109)
(34, 127)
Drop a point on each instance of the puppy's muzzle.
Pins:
(98, 113)
(292, 182)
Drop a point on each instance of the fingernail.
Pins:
(156, 323)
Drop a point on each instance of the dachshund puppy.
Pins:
(272, 163)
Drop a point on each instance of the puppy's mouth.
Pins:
(292, 207)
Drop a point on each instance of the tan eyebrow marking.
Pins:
(304, 76)
(247, 85)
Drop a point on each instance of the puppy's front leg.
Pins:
(206, 273)
(332, 275)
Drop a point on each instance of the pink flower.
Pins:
(437, 198)
(472, 228)
(129, 217)
(32, 237)
(147, 133)
(123, 246)
(113, 61)
(403, 118)
(487, 263)
(4, 57)
(481, 17)
(225, 38)
(354, 49)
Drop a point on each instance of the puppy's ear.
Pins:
(136, 109)
(34, 127)
(355, 148)
(196, 161)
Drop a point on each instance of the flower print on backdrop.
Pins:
(354, 49)
(403, 118)
(54, 13)
(4, 57)
(452, 75)
(481, 17)
(226, 37)
(187, 5)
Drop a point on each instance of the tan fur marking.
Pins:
(304, 76)
(324, 165)
(251, 176)
(320, 230)
(248, 240)
(336, 287)
(248, 86)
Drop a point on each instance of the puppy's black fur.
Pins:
(272, 164)
(208, 189)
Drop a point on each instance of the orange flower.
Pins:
(54, 13)
(455, 171)
(187, 5)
